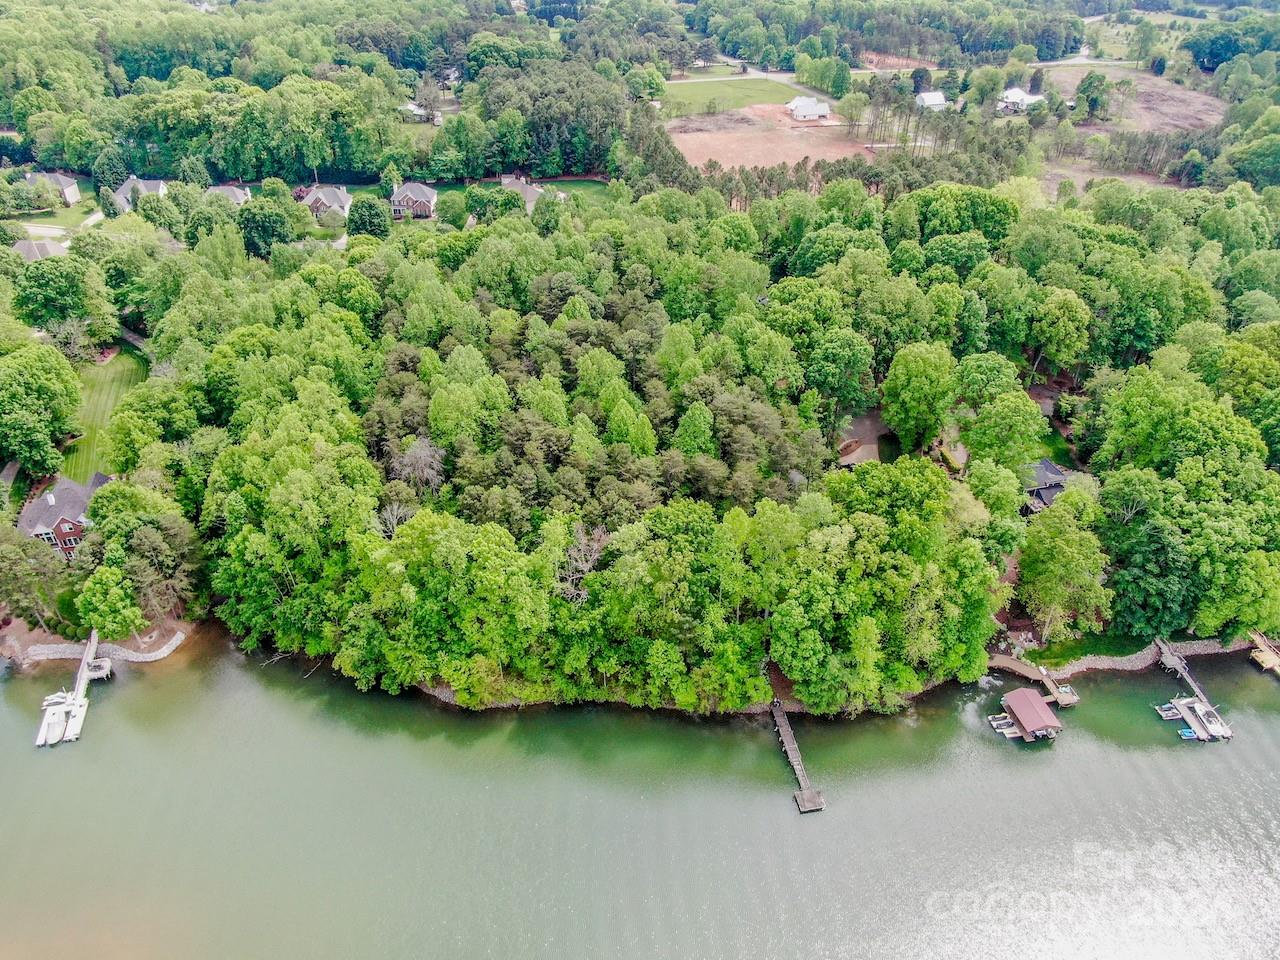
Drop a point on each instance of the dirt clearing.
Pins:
(761, 136)
(1157, 105)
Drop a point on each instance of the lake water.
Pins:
(217, 807)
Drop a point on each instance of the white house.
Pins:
(1016, 100)
(808, 108)
(934, 100)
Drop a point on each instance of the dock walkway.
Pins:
(64, 712)
(808, 800)
(1196, 711)
(1060, 693)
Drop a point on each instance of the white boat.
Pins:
(53, 727)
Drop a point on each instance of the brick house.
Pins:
(320, 200)
(57, 516)
(413, 201)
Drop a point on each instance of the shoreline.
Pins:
(34, 655)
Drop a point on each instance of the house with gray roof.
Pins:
(58, 514)
(320, 200)
(529, 190)
(132, 187)
(237, 195)
(66, 187)
(32, 250)
(413, 200)
(1047, 481)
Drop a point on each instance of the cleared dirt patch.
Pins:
(1157, 106)
(1080, 172)
(892, 61)
(760, 136)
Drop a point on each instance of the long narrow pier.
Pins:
(1196, 711)
(808, 800)
(64, 712)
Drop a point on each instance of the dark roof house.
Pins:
(413, 200)
(1047, 481)
(1027, 709)
(57, 516)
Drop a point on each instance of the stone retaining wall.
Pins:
(74, 651)
(1148, 656)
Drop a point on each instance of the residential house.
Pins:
(31, 250)
(809, 108)
(237, 195)
(530, 191)
(934, 100)
(57, 516)
(415, 113)
(413, 201)
(1047, 481)
(1016, 100)
(66, 187)
(132, 187)
(320, 200)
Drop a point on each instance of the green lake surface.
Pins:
(220, 807)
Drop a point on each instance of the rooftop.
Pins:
(1029, 710)
(65, 498)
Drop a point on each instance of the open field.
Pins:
(714, 96)
(1158, 105)
(760, 135)
(710, 70)
(103, 387)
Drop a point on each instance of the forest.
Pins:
(588, 452)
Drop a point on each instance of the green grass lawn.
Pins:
(711, 70)
(70, 217)
(102, 388)
(719, 95)
(1057, 449)
(586, 189)
(1064, 651)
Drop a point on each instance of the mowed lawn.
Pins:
(102, 386)
(714, 96)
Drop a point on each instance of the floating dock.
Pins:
(1063, 694)
(1196, 712)
(64, 711)
(808, 800)
(1265, 653)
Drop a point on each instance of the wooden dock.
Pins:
(1265, 653)
(64, 711)
(808, 800)
(1196, 711)
(1064, 695)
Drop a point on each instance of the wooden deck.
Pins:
(808, 800)
(1061, 694)
(1265, 653)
